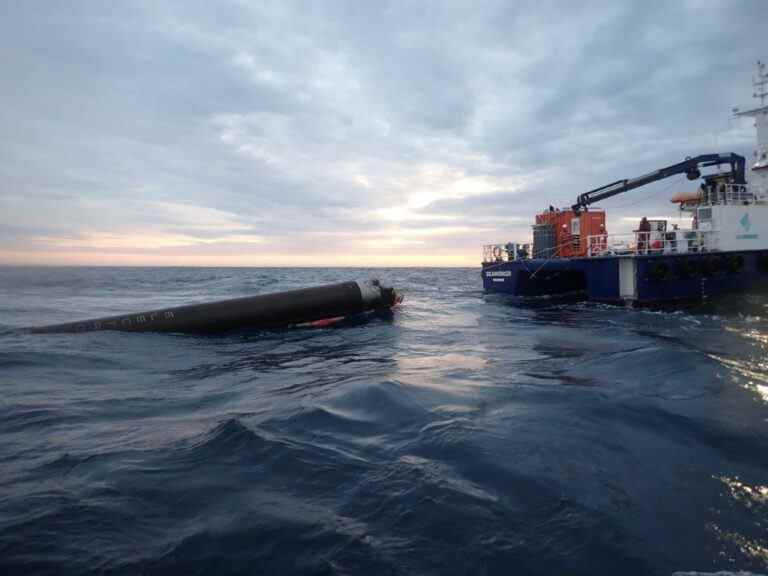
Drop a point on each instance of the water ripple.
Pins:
(461, 434)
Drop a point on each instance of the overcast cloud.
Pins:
(325, 133)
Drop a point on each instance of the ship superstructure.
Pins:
(724, 248)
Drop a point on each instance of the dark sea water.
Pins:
(465, 434)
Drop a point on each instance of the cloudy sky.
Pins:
(349, 133)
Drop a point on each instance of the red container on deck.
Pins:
(571, 230)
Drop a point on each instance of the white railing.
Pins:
(506, 252)
(728, 194)
(642, 243)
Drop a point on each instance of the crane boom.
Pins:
(690, 167)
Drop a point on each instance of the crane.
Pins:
(691, 167)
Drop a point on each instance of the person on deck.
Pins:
(643, 235)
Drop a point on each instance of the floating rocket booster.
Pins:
(308, 305)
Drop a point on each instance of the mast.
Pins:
(758, 181)
(760, 83)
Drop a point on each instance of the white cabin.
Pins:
(724, 217)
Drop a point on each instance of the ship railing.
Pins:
(645, 243)
(729, 194)
(506, 252)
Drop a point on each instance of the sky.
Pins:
(350, 133)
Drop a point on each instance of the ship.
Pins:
(723, 247)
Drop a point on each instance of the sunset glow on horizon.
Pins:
(402, 136)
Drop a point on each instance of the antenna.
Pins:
(761, 83)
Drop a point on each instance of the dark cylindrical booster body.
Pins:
(264, 311)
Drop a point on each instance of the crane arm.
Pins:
(690, 167)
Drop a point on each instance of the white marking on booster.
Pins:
(370, 290)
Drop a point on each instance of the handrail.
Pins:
(643, 243)
(631, 244)
(506, 252)
(728, 194)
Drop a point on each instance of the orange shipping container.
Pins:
(571, 230)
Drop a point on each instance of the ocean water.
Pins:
(462, 434)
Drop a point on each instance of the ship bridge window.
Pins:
(705, 213)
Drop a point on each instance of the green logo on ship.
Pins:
(746, 224)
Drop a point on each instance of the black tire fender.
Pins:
(658, 271)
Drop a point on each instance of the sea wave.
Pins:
(460, 434)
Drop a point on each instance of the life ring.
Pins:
(735, 263)
(496, 252)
